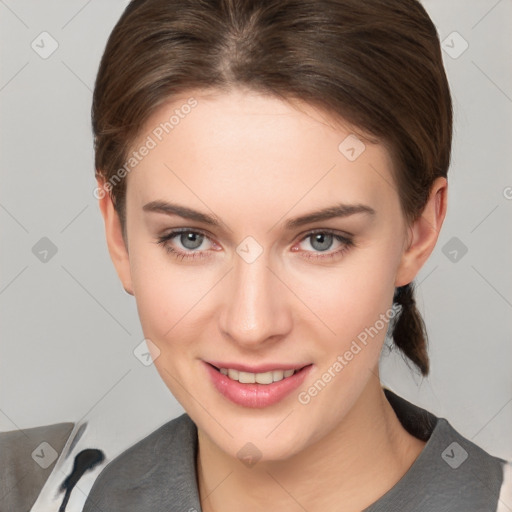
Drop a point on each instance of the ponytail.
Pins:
(409, 332)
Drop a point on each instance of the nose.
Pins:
(256, 308)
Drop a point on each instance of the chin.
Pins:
(266, 438)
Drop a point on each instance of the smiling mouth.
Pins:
(268, 377)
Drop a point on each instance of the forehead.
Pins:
(243, 146)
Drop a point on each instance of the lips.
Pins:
(251, 393)
(257, 368)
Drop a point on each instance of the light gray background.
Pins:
(68, 329)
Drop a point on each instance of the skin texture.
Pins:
(254, 162)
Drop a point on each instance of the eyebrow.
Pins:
(335, 211)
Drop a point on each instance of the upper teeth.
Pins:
(260, 378)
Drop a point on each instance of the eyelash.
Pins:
(347, 242)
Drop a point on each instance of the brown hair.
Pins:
(375, 64)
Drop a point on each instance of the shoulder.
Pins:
(452, 473)
(157, 471)
(27, 458)
(464, 476)
(466, 462)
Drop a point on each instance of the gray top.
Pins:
(451, 473)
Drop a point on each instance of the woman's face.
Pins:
(260, 285)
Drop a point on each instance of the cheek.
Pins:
(168, 304)
(354, 302)
(348, 298)
(165, 294)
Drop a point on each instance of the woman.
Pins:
(272, 177)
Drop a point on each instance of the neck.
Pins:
(354, 465)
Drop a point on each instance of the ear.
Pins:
(116, 244)
(423, 233)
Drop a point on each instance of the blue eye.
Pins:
(191, 240)
(322, 240)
